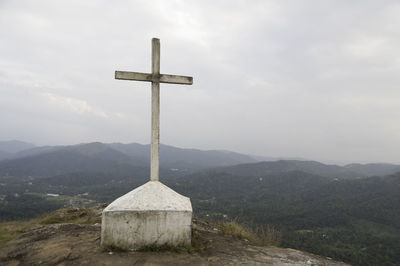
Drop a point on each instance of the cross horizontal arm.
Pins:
(133, 76)
(165, 78)
(162, 78)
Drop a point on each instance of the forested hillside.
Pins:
(335, 211)
(357, 221)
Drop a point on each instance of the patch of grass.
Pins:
(267, 236)
(237, 231)
(70, 215)
(12, 230)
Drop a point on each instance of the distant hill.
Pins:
(373, 169)
(55, 160)
(269, 158)
(343, 172)
(92, 157)
(193, 159)
(9, 148)
(4, 155)
(13, 146)
(35, 151)
(312, 167)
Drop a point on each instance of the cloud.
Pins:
(74, 105)
(279, 78)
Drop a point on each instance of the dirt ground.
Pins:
(76, 244)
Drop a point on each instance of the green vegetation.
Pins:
(21, 205)
(357, 221)
(352, 243)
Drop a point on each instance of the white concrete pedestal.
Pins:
(150, 215)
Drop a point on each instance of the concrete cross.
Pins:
(155, 78)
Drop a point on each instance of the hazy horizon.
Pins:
(312, 79)
(266, 156)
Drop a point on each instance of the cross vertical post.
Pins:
(155, 110)
(155, 78)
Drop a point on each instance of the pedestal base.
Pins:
(150, 215)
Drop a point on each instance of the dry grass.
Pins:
(70, 215)
(267, 236)
(11, 230)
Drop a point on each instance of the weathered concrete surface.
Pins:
(150, 215)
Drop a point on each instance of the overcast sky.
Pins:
(313, 79)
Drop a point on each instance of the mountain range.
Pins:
(21, 158)
(96, 154)
(350, 213)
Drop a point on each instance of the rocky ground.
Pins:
(79, 244)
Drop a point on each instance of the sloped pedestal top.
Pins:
(152, 196)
